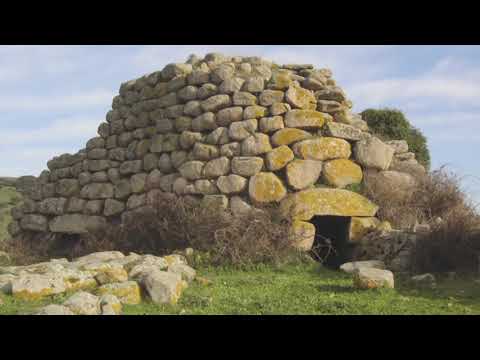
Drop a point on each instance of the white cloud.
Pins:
(61, 130)
(97, 97)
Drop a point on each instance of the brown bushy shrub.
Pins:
(436, 195)
(170, 224)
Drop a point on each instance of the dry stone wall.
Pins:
(233, 132)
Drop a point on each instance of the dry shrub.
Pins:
(435, 195)
(454, 242)
(168, 225)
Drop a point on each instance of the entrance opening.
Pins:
(331, 245)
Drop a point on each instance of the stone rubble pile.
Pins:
(233, 132)
(101, 282)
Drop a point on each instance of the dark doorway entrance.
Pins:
(331, 245)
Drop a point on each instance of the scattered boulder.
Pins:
(54, 309)
(83, 303)
(351, 267)
(163, 287)
(371, 278)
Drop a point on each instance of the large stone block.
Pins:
(323, 148)
(97, 191)
(303, 173)
(76, 223)
(305, 204)
(342, 172)
(266, 187)
(373, 153)
(305, 119)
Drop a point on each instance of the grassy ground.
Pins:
(8, 198)
(298, 289)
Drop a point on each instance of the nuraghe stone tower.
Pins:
(232, 132)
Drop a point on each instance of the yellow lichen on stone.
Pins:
(384, 226)
(323, 148)
(308, 119)
(266, 187)
(281, 80)
(302, 235)
(360, 226)
(127, 292)
(342, 172)
(303, 205)
(26, 295)
(279, 157)
(289, 136)
(301, 98)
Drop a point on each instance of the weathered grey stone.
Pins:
(239, 206)
(230, 150)
(173, 70)
(117, 154)
(247, 166)
(93, 207)
(206, 187)
(183, 123)
(216, 102)
(84, 178)
(215, 202)
(97, 191)
(204, 152)
(231, 184)
(34, 223)
(216, 167)
(254, 84)
(113, 207)
(164, 126)
(189, 138)
(400, 146)
(204, 122)
(136, 200)
(218, 136)
(254, 112)
(300, 98)
(207, 90)
(166, 182)
(97, 165)
(178, 158)
(124, 139)
(256, 144)
(226, 116)
(176, 83)
(373, 153)
(192, 170)
(54, 309)
(303, 173)
(75, 205)
(165, 164)
(271, 124)
(343, 131)
(181, 186)
(240, 130)
(242, 98)
(329, 106)
(198, 77)
(131, 167)
(278, 158)
(123, 189)
(52, 206)
(100, 176)
(150, 162)
(36, 286)
(370, 278)
(83, 303)
(187, 273)
(162, 287)
(269, 97)
(279, 109)
(96, 142)
(76, 223)
(334, 93)
(137, 182)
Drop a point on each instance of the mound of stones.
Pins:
(100, 282)
(232, 132)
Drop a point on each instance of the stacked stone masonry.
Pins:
(231, 131)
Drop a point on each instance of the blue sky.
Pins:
(53, 98)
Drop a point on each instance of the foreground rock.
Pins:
(425, 280)
(370, 278)
(100, 282)
(351, 267)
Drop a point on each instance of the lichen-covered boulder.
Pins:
(289, 136)
(266, 187)
(54, 309)
(305, 204)
(278, 158)
(323, 148)
(359, 226)
(342, 172)
(127, 292)
(37, 286)
(303, 173)
(302, 235)
(305, 119)
(83, 303)
(371, 278)
(163, 287)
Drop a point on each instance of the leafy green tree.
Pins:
(391, 124)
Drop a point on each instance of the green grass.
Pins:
(298, 289)
(8, 198)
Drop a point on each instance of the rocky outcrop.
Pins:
(100, 283)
